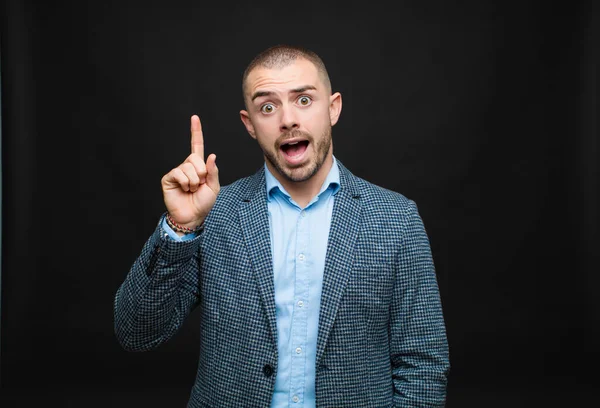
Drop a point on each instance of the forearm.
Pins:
(158, 292)
(421, 379)
(419, 347)
(420, 361)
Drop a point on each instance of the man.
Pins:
(315, 287)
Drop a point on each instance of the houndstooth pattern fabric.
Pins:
(381, 340)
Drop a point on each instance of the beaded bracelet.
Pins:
(180, 228)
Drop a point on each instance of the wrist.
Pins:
(184, 229)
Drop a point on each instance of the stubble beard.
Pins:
(303, 172)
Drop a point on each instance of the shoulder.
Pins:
(378, 196)
(386, 216)
(388, 208)
(244, 188)
(379, 200)
(240, 190)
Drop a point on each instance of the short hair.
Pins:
(280, 56)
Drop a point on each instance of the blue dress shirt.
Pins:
(299, 242)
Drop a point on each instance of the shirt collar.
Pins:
(332, 181)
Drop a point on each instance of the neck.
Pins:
(304, 191)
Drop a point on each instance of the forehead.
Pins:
(299, 73)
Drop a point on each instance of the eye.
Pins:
(267, 108)
(304, 100)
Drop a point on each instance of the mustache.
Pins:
(293, 134)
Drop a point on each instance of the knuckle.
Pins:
(197, 164)
(190, 171)
(177, 173)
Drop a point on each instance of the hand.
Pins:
(190, 189)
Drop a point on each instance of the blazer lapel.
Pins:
(254, 219)
(340, 253)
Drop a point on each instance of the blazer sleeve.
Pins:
(419, 347)
(158, 293)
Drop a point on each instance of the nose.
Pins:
(289, 121)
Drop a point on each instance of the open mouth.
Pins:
(294, 148)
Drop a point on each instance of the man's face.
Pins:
(290, 114)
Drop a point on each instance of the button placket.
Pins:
(299, 322)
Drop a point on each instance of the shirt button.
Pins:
(301, 257)
(303, 213)
(295, 398)
(298, 350)
(300, 303)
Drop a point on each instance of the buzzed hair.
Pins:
(280, 56)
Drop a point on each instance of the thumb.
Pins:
(212, 176)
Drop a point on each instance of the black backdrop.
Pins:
(483, 112)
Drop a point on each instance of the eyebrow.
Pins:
(304, 88)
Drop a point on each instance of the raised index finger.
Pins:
(197, 136)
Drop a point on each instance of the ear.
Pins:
(248, 123)
(335, 107)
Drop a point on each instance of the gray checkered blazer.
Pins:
(381, 339)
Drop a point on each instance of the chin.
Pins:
(301, 173)
(299, 176)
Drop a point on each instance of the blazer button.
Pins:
(268, 370)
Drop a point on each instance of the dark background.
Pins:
(483, 112)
